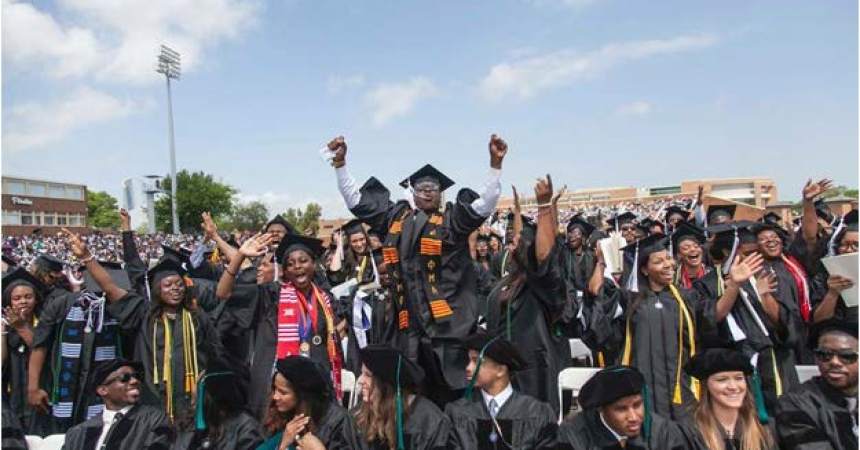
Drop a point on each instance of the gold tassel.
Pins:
(600, 361)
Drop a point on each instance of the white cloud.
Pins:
(528, 77)
(637, 108)
(279, 202)
(389, 101)
(32, 125)
(117, 41)
(338, 83)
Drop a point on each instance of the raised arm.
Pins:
(488, 197)
(546, 223)
(80, 250)
(809, 222)
(252, 247)
(345, 182)
(741, 271)
(134, 266)
(211, 232)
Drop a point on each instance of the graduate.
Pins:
(22, 306)
(302, 408)
(352, 259)
(49, 270)
(822, 412)
(526, 304)
(494, 415)
(482, 260)
(675, 215)
(730, 413)
(625, 223)
(827, 289)
(124, 423)
(221, 420)
(392, 415)
(687, 245)
(654, 323)
(427, 252)
(759, 324)
(295, 316)
(615, 416)
(172, 337)
(577, 259)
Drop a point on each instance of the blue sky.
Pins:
(597, 92)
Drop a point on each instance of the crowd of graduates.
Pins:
(455, 321)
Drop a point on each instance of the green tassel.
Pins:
(471, 386)
(759, 398)
(646, 421)
(199, 416)
(398, 402)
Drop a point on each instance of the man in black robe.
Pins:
(496, 416)
(49, 270)
(822, 412)
(614, 416)
(427, 251)
(123, 423)
(577, 262)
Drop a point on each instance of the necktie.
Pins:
(116, 419)
(493, 407)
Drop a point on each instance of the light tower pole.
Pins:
(168, 64)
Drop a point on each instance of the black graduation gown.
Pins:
(47, 334)
(435, 345)
(426, 428)
(577, 270)
(587, 432)
(486, 282)
(654, 323)
(15, 369)
(134, 314)
(526, 424)
(336, 430)
(695, 441)
(787, 294)
(254, 308)
(815, 416)
(819, 290)
(352, 270)
(775, 350)
(381, 322)
(500, 263)
(144, 427)
(533, 312)
(12, 434)
(239, 432)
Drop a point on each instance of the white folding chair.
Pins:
(572, 379)
(805, 373)
(33, 442)
(347, 384)
(578, 350)
(53, 442)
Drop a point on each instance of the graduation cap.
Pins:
(430, 173)
(385, 362)
(823, 211)
(104, 369)
(49, 262)
(621, 219)
(291, 242)
(609, 385)
(181, 256)
(832, 324)
(729, 236)
(847, 223)
(686, 231)
(20, 276)
(9, 261)
(646, 224)
(354, 226)
(585, 227)
(715, 360)
(304, 375)
(279, 220)
(772, 218)
(116, 272)
(850, 220)
(496, 348)
(675, 209)
(764, 226)
(164, 268)
(641, 250)
(716, 211)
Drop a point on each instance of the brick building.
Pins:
(32, 204)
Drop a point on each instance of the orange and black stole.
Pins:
(430, 254)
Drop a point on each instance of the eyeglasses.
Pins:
(124, 378)
(845, 357)
(847, 247)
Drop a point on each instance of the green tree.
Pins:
(306, 221)
(196, 193)
(102, 210)
(839, 191)
(249, 216)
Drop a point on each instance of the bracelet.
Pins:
(227, 269)
(544, 205)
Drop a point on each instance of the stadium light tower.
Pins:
(168, 65)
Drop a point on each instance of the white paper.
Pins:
(844, 266)
(344, 289)
(612, 254)
(326, 154)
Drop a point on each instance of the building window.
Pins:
(74, 193)
(50, 218)
(61, 219)
(14, 187)
(74, 220)
(26, 218)
(37, 189)
(55, 191)
(11, 218)
(37, 218)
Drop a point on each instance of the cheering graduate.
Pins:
(759, 325)
(687, 242)
(427, 253)
(49, 271)
(526, 303)
(285, 318)
(827, 289)
(730, 413)
(483, 266)
(172, 337)
(221, 420)
(494, 415)
(124, 423)
(655, 323)
(615, 416)
(577, 259)
(352, 259)
(22, 305)
(822, 412)
(302, 408)
(675, 215)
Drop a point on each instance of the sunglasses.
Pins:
(845, 357)
(124, 378)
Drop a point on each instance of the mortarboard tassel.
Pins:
(831, 246)
(471, 386)
(633, 278)
(199, 415)
(759, 397)
(646, 421)
(727, 264)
